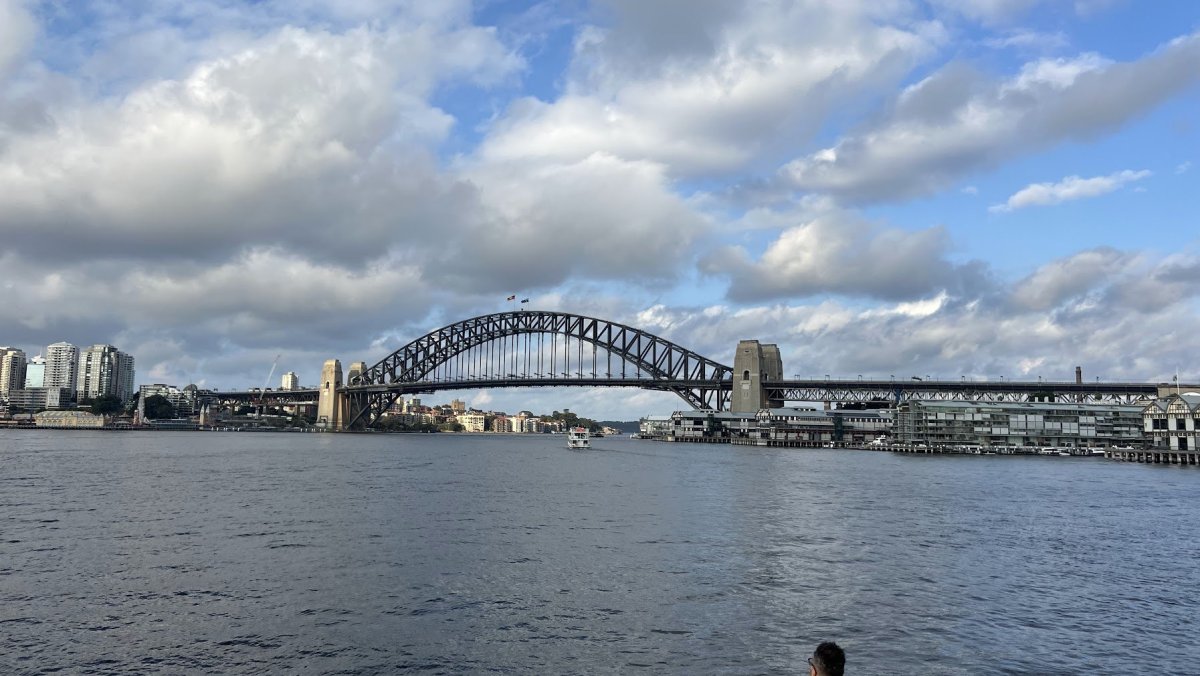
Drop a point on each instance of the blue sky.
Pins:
(961, 187)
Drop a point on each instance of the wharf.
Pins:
(1164, 456)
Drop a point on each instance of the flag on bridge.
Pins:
(524, 300)
(512, 297)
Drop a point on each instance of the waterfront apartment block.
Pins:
(105, 370)
(473, 421)
(186, 401)
(35, 372)
(1173, 422)
(62, 366)
(12, 370)
(35, 399)
(1018, 424)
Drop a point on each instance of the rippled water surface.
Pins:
(243, 553)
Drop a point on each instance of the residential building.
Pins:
(654, 426)
(35, 372)
(12, 370)
(1018, 424)
(1173, 422)
(473, 421)
(34, 399)
(105, 370)
(184, 401)
(62, 366)
(290, 381)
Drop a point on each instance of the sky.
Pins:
(946, 188)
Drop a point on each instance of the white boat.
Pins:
(578, 437)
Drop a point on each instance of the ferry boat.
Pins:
(577, 437)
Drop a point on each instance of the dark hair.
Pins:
(829, 659)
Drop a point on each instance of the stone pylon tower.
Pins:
(753, 365)
(331, 402)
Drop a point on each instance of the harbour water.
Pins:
(251, 553)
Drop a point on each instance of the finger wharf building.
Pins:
(1018, 424)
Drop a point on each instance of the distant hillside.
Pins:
(624, 425)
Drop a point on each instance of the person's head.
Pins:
(827, 660)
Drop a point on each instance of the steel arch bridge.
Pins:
(537, 349)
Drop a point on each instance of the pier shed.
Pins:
(1173, 423)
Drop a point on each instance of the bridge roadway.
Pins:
(811, 390)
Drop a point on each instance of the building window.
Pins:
(746, 374)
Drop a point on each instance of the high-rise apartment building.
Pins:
(62, 366)
(35, 372)
(290, 381)
(12, 370)
(105, 370)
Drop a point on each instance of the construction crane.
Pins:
(263, 392)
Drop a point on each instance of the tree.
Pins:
(107, 404)
(158, 407)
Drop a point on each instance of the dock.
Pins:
(1163, 456)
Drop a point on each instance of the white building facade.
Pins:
(62, 366)
(1173, 422)
(290, 381)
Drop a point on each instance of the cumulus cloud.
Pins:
(954, 122)
(17, 30)
(711, 91)
(1118, 314)
(293, 141)
(839, 253)
(1068, 189)
(1054, 283)
(599, 218)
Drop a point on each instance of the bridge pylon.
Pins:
(754, 364)
(331, 399)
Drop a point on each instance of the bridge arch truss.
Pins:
(540, 349)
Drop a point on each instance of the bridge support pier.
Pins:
(331, 400)
(753, 365)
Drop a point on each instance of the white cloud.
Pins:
(986, 11)
(293, 141)
(1054, 283)
(839, 253)
(17, 31)
(1183, 167)
(1068, 189)
(953, 124)
(709, 96)
(1026, 39)
(540, 225)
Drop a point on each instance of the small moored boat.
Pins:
(578, 437)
